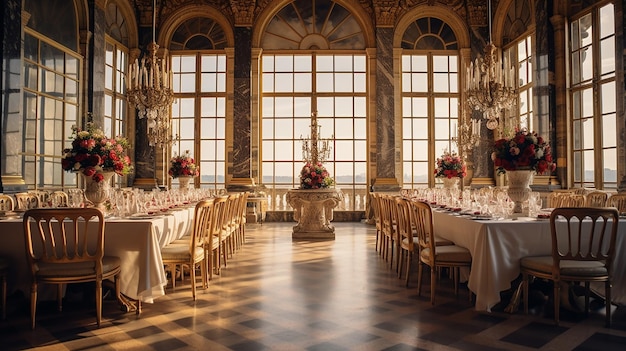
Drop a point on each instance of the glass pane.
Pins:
(607, 54)
(609, 131)
(588, 139)
(589, 166)
(608, 97)
(586, 63)
(607, 20)
(609, 161)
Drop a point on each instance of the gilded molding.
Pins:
(243, 12)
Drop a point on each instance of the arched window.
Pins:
(430, 98)
(115, 66)
(593, 97)
(314, 61)
(51, 79)
(518, 48)
(199, 109)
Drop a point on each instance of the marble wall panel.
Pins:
(385, 129)
(242, 89)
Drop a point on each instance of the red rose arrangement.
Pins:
(183, 165)
(524, 151)
(315, 176)
(92, 153)
(450, 165)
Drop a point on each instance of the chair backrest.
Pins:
(59, 198)
(26, 201)
(618, 201)
(583, 234)
(6, 203)
(219, 215)
(573, 200)
(202, 217)
(403, 221)
(64, 235)
(375, 204)
(422, 221)
(386, 215)
(596, 199)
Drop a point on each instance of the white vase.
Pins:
(98, 192)
(519, 187)
(183, 182)
(450, 183)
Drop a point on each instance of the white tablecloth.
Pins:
(137, 242)
(498, 245)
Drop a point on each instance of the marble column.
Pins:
(544, 89)
(11, 126)
(95, 62)
(386, 155)
(239, 159)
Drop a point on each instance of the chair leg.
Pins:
(98, 301)
(33, 304)
(557, 300)
(455, 277)
(525, 291)
(409, 259)
(420, 270)
(607, 292)
(192, 270)
(433, 283)
(60, 297)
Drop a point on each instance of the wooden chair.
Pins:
(4, 272)
(190, 253)
(66, 245)
(408, 243)
(387, 203)
(59, 198)
(618, 201)
(596, 199)
(26, 201)
(6, 203)
(574, 200)
(375, 204)
(451, 256)
(213, 240)
(580, 253)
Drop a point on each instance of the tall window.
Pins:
(199, 109)
(314, 61)
(293, 87)
(430, 99)
(199, 113)
(593, 97)
(51, 81)
(520, 54)
(115, 105)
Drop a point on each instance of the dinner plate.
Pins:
(142, 216)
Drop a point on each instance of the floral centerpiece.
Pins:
(183, 166)
(315, 176)
(450, 165)
(93, 153)
(524, 151)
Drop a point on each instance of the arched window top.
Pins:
(429, 33)
(64, 28)
(518, 20)
(116, 24)
(312, 25)
(199, 33)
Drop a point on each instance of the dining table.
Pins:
(136, 239)
(498, 244)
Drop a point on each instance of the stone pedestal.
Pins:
(313, 209)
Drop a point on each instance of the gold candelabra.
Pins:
(314, 149)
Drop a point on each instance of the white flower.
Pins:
(77, 166)
(538, 153)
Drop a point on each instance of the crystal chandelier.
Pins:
(490, 83)
(314, 149)
(149, 89)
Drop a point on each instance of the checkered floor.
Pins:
(277, 294)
